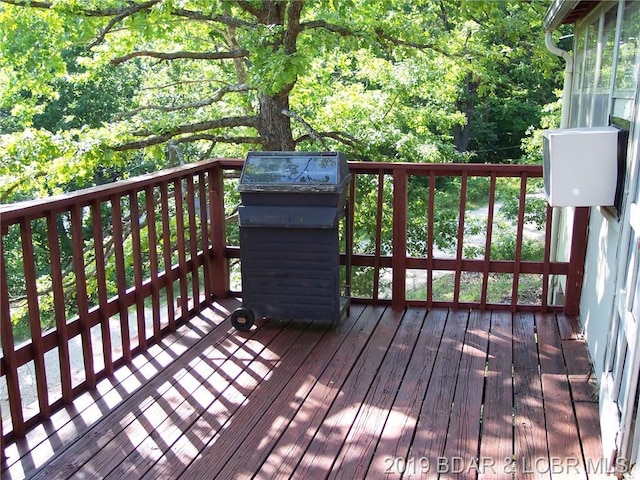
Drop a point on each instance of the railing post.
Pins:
(576, 260)
(221, 285)
(8, 350)
(399, 260)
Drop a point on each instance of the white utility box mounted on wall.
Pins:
(580, 166)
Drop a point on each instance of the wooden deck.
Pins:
(440, 393)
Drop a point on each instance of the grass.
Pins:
(499, 288)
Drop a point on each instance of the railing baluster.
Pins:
(205, 232)
(121, 278)
(349, 249)
(378, 240)
(519, 240)
(81, 294)
(399, 260)
(59, 308)
(193, 244)
(153, 259)
(459, 247)
(8, 350)
(488, 240)
(101, 280)
(29, 263)
(430, 236)
(182, 265)
(211, 186)
(137, 268)
(166, 249)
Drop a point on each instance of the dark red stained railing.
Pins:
(399, 262)
(170, 229)
(191, 264)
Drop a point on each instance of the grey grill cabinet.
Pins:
(291, 208)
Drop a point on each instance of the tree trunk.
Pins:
(462, 133)
(273, 126)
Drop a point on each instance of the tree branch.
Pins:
(220, 139)
(311, 132)
(293, 26)
(127, 12)
(228, 122)
(445, 17)
(341, 137)
(184, 82)
(405, 43)
(315, 24)
(248, 7)
(224, 19)
(202, 103)
(120, 14)
(123, 12)
(7, 190)
(382, 37)
(109, 12)
(238, 64)
(181, 55)
(44, 5)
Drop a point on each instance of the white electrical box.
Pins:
(580, 166)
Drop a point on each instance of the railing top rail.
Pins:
(443, 169)
(34, 208)
(440, 169)
(481, 169)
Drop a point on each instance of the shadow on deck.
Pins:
(429, 393)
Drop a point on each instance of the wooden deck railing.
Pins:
(107, 271)
(483, 260)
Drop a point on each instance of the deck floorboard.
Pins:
(384, 394)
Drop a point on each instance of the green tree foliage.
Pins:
(87, 84)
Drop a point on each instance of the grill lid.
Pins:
(294, 172)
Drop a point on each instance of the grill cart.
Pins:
(292, 205)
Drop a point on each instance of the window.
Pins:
(585, 114)
(627, 61)
(606, 56)
(595, 48)
(604, 75)
(578, 60)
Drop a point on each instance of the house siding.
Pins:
(605, 53)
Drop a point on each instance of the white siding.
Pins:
(606, 69)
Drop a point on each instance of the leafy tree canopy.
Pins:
(94, 90)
